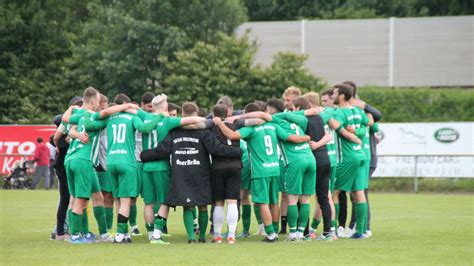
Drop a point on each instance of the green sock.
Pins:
(292, 217)
(109, 217)
(336, 207)
(76, 224)
(99, 214)
(276, 226)
(303, 216)
(203, 220)
(149, 227)
(85, 222)
(269, 229)
(122, 228)
(132, 218)
(160, 223)
(334, 223)
(361, 216)
(315, 223)
(156, 207)
(256, 210)
(246, 217)
(69, 219)
(188, 222)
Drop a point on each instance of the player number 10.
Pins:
(119, 134)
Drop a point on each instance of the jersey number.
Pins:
(268, 144)
(295, 128)
(119, 133)
(152, 139)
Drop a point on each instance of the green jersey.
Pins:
(348, 151)
(121, 137)
(155, 137)
(293, 152)
(86, 123)
(73, 142)
(262, 144)
(363, 132)
(331, 146)
(245, 156)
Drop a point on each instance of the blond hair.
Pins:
(313, 98)
(292, 90)
(89, 94)
(159, 100)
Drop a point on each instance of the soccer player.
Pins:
(319, 139)
(83, 180)
(262, 145)
(174, 110)
(190, 168)
(350, 168)
(121, 161)
(156, 175)
(288, 96)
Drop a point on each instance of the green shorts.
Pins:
(95, 183)
(349, 176)
(104, 181)
(80, 175)
(124, 180)
(245, 178)
(366, 173)
(301, 177)
(265, 190)
(282, 186)
(332, 179)
(139, 175)
(155, 186)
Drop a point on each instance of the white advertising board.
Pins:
(442, 150)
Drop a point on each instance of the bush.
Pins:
(421, 104)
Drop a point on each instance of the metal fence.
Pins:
(433, 51)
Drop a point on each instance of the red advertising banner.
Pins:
(17, 143)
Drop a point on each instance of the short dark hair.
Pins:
(329, 92)
(190, 108)
(39, 140)
(261, 104)
(147, 97)
(277, 104)
(345, 90)
(225, 100)
(251, 107)
(173, 106)
(353, 85)
(121, 99)
(301, 102)
(202, 112)
(220, 110)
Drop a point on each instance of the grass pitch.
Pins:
(407, 228)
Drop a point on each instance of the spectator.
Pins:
(52, 160)
(41, 159)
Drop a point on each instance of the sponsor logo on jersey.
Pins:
(119, 151)
(188, 162)
(446, 135)
(187, 151)
(272, 164)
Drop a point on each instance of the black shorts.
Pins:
(225, 184)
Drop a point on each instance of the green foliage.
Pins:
(206, 72)
(270, 10)
(421, 104)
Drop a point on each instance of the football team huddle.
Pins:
(273, 155)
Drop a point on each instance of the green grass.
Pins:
(408, 229)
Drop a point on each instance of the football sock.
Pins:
(269, 231)
(303, 217)
(99, 214)
(217, 220)
(246, 217)
(256, 210)
(232, 219)
(160, 223)
(336, 207)
(133, 215)
(203, 220)
(315, 224)
(284, 221)
(109, 217)
(292, 217)
(361, 214)
(149, 227)
(188, 222)
(122, 224)
(69, 219)
(276, 226)
(85, 222)
(76, 224)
